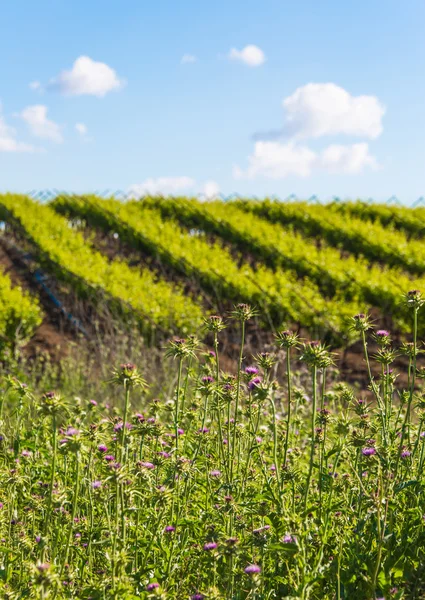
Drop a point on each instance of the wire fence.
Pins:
(50, 194)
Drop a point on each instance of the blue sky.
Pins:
(350, 74)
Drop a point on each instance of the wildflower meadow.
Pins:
(277, 481)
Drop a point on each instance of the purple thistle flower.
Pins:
(147, 465)
(382, 333)
(251, 370)
(210, 546)
(252, 569)
(287, 539)
(38, 539)
(164, 454)
(368, 451)
(152, 586)
(405, 454)
(207, 379)
(102, 448)
(96, 484)
(203, 430)
(197, 597)
(109, 457)
(215, 473)
(71, 431)
(180, 431)
(169, 529)
(255, 382)
(93, 402)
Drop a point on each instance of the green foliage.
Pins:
(333, 272)
(64, 251)
(20, 314)
(310, 490)
(409, 220)
(370, 239)
(280, 293)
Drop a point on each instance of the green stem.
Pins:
(288, 419)
(238, 389)
(313, 435)
(52, 476)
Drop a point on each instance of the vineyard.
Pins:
(159, 263)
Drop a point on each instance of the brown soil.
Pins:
(51, 336)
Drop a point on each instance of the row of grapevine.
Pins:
(157, 303)
(372, 240)
(409, 220)
(280, 294)
(352, 277)
(20, 315)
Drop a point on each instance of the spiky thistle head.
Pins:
(287, 339)
(243, 312)
(315, 354)
(182, 348)
(265, 360)
(214, 323)
(414, 299)
(360, 322)
(128, 376)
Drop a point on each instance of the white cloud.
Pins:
(347, 159)
(187, 59)
(8, 142)
(318, 109)
(275, 160)
(81, 128)
(87, 77)
(210, 189)
(251, 55)
(162, 186)
(40, 126)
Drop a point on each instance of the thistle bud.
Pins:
(214, 323)
(414, 299)
(243, 312)
(287, 339)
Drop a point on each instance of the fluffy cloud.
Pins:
(187, 59)
(251, 55)
(81, 128)
(275, 160)
(319, 109)
(87, 77)
(210, 189)
(40, 126)
(8, 141)
(162, 185)
(312, 111)
(347, 159)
